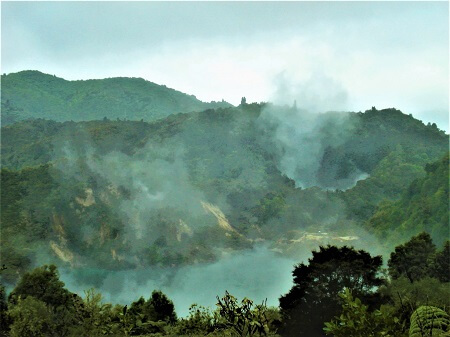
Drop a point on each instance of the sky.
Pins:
(325, 55)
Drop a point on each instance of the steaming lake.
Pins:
(257, 274)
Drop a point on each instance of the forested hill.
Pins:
(186, 188)
(422, 207)
(32, 94)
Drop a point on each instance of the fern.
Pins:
(429, 321)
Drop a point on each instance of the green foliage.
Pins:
(127, 322)
(313, 299)
(413, 259)
(392, 148)
(4, 316)
(44, 285)
(157, 308)
(93, 318)
(332, 273)
(162, 306)
(243, 318)
(357, 320)
(423, 206)
(10, 114)
(144, 317)
(414, 267)
(442, 263)
(269, 207)
(24, 217)
(32, 318)
(200, 321)
(429, 321)
(405, 297)
(32, 94)
(402, 296)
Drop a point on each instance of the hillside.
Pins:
(32, 94)
(191, 187)
(422, 207)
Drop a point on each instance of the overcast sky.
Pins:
(327, 56)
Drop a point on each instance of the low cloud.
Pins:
(300, 138)
(257, 274)
(319, 93)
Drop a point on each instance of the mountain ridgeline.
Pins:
(114, 194)
(32, 94)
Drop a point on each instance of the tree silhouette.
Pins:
(314, 298)
(43, 283)
(413, 259)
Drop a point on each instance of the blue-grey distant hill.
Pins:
(33, 94)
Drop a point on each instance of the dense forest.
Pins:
(123, 175)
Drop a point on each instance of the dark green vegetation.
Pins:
(32, 94)
(340, 292)
(389, 311)
(314, 297)
(422, 206)
(39, 305)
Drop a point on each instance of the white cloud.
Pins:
(381, 54)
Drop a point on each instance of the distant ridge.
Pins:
(33, 94)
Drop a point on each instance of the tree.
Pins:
(43, 284)
(442, 264)
(413, 259)
(357, 320)
(4, 317)
(151, 315)
(31, 317)
(243, 318)
(405, 297)
(162, 308)
(314, 299)
(94, 318)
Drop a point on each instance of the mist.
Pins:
(156, 202)
(303, 123)
(257, 274)
(253, 42)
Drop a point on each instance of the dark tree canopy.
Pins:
(42, 288)
(43, 283)
(413, 259)
(157, 308)
(442, 264)
(4, 319)
(163, 306)
(314, 297)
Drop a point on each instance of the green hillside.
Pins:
(422, 207)
(32, 94)
(185, 189)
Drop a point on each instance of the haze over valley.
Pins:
(294, 154)
(199, 189)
